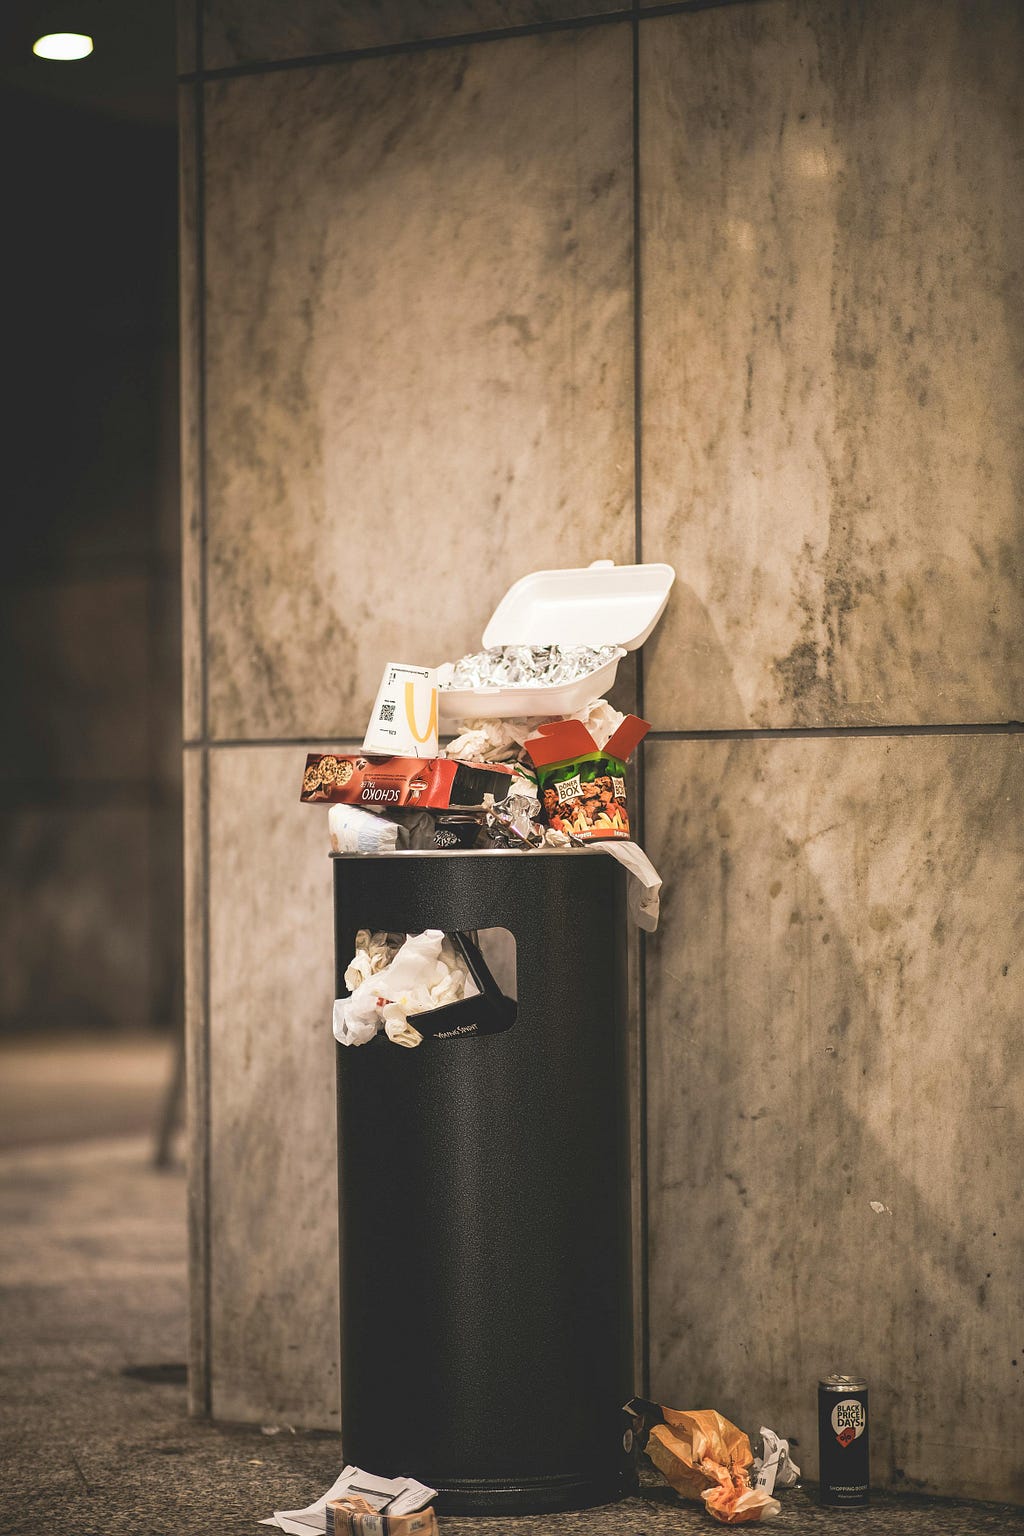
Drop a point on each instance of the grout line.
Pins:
(201, 444)
(203, 1397)
(632, 14)
(753, 733)
(638, 482)
(783, 733)
(311, 743)
(410, 46)
(642, 1308)
(683, 7)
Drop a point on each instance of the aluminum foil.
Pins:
(526, 666)
(515, 823)
(512, 822)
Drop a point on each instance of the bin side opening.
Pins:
(498, 947)
(492, 1006)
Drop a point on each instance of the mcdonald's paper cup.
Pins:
(404, 718)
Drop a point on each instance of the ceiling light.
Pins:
(62, 45)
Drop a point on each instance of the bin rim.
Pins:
(471, 853)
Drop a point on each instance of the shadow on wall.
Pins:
(831, 1031)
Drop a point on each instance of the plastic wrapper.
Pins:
(356, 831)
(373, 952)
(703, 1456)
(456, 831)
(415, 828)
(514, 822)
(525, 666)
(421, 972)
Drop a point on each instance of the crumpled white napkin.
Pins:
(489, 741)
(422, 972)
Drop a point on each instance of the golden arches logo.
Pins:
(410, 713)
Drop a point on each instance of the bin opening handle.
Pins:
(488, 1013)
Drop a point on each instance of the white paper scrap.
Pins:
(777, 1468)
(396, 1495)
(643, 894)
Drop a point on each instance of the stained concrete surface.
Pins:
(415, 371)
(95, 1438)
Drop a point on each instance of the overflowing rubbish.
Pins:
(703, 1457)
(537, 763)
(396, 1498)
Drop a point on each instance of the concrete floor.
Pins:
(69, 1088)
(94, 1435)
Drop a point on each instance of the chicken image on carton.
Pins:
(583, 786)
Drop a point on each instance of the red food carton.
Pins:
(583, 786)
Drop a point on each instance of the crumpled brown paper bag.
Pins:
(703, 1456)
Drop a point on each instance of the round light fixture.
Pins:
(62, 45)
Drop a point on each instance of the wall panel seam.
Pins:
(309, 743)
(207, 1304)
(202, 1392)
(630, 14)
(642, 1305)
(786, 732)
(739, 733)
(198, 1091)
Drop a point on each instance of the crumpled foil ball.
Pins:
(526, 666)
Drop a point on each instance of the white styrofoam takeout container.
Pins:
(598, 604)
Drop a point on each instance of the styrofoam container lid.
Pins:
(598, 604)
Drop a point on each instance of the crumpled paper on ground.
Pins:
(422, 972)
(396, 1495)
(706, 1457)
(776, 1467)
(494, 741)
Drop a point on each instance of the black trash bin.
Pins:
(486, 1310)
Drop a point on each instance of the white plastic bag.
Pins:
(419, 974)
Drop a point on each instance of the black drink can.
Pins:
(843, 1440)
